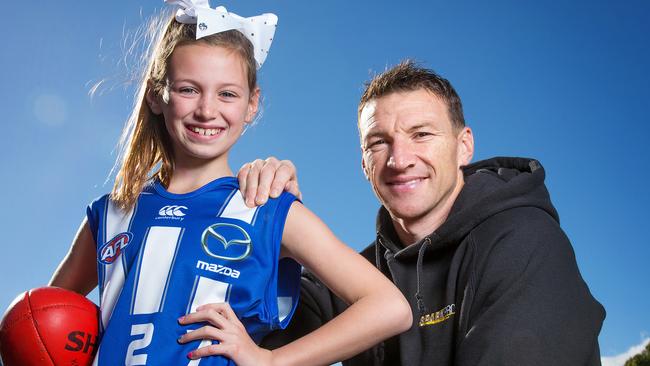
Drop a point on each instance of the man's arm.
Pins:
(531, 305)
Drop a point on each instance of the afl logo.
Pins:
(226, 241)
(110, 251)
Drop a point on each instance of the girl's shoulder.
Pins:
(283, 202)
(100, 201)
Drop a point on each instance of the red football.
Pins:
(49, 326)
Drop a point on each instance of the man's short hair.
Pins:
(408, 76)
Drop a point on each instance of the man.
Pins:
(476, 249)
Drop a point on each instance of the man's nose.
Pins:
(402, 155)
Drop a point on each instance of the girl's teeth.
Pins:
(204, 131)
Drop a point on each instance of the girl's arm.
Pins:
(378, 310)
(78, 270)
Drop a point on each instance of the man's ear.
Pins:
(253, 105)
(365, 168)
(465, 146)
(152, 99)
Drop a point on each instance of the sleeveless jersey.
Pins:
(174, 252)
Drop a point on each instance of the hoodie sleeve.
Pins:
(530, 304)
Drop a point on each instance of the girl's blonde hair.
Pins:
(145, 147)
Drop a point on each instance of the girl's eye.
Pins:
(228, 94)
(187, 90)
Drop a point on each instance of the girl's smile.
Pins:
(205, 132)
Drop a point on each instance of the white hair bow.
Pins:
(258, 29)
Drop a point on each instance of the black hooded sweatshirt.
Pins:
(496, 284)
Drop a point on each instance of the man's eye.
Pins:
(376, 143)
(422, 134)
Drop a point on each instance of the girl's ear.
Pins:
(253, 105)
(152, 99)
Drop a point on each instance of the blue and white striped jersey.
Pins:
(175, 252)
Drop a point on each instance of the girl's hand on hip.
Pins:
(225, 327)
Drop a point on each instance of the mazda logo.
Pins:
(225, 236)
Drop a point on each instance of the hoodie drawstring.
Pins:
(418, 294)
(377, 256)
(379, 349)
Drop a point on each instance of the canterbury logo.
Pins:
(174, 211)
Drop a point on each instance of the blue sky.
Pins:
(565, 82)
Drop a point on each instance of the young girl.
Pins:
(188, 274)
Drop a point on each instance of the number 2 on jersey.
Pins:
(154, 269)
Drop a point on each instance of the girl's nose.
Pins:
(207, 108)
